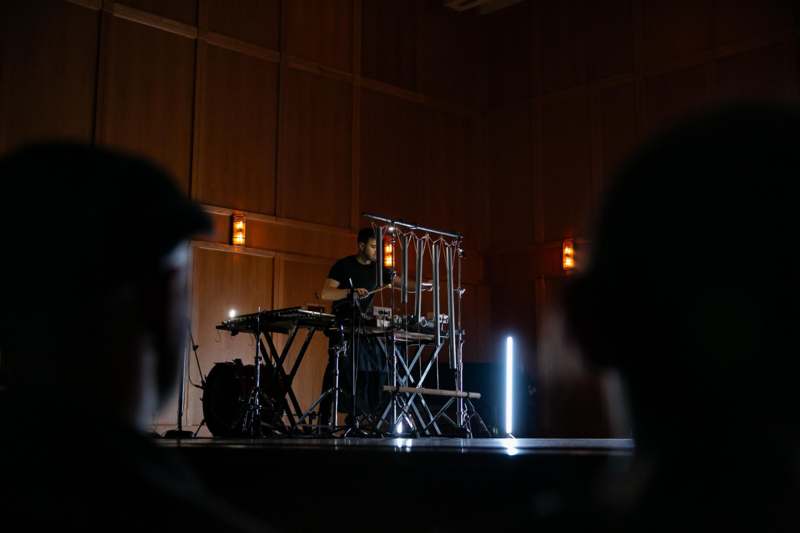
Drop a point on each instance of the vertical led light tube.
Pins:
(509, 384)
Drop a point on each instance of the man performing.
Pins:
(349, 276)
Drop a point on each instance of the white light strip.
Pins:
(509, 383)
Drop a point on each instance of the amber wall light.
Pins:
(239, 230)
(568, 255)
(388, 253)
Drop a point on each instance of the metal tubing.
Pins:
(436, 310)
(379, 257)
(407, 225)
(451, 307)
(418, 277)
(405, 242)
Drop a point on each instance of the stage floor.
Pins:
(496, 446)
(397, 484)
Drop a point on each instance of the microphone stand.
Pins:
(353, 362)
(180, 433)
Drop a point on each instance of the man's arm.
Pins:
(331, 292)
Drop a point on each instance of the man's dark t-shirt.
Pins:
(363, 277)
(370, 356)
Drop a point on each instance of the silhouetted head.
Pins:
(692, 288)
(93, 278)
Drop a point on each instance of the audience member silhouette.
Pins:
(692, 295)
(92, 325)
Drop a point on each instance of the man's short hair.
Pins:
(365, 235)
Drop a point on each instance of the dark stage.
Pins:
(436, 484)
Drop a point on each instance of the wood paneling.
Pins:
(237, 131)
(321, 31)
(609, 38)
(670, 96)
(222, 281)
(446, 200)
(477, 229)
(510, 66)
(283, 237)
(769, 73)
(510, 164)
(675, 31)
(744, 20)
(452, 56)
(253, 21)
(314, 182)
(181, 10)
(389, 46)
(391, 166)
(566, 165)
(48, 58)
(513, 313)
(476, 315)
(616, 115)
(562, 27)
(146, 94)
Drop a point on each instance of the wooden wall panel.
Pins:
(744, 20)
(476, 315)
(452, 56)
(562, 27)
(146, 94)
(511, 204)
(391, 166)
(477, 229)
(670, 96)
(566, 165)
(181, 10)
(222, 281)
(237, 131)
(675, 31)
(510, 52)
(48, 58)
(389, 43)
(770, 72)
(315, 152)
(513, 306)
(301, 283)
(609, 38)
(445, 201)
(253, 21)
(321, 31)
(616, 114)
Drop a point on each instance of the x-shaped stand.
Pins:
(284, 380)
(405, 377)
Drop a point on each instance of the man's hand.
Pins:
(362, 292)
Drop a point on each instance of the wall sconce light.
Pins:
(388, 253)
(239, 230)
(568, 255)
